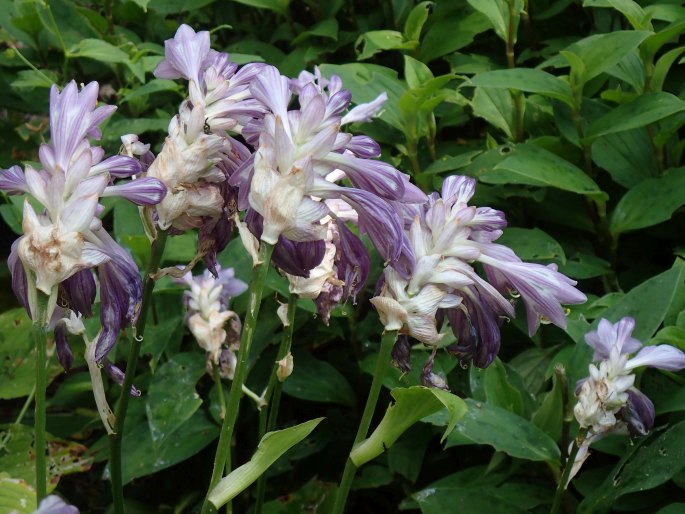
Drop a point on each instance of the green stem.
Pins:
(272, 396)
(511, 63)
(116, 439)
(257, 281)
(561, 488)
(60, 39)
(40, 339)
(29, 63)
(387, 343)
(220, 389)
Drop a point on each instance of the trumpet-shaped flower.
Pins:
(447, 237)
(64, 241)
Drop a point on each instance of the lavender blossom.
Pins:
(53, 504)
(64, 242)
(608, 401)
(447, 237)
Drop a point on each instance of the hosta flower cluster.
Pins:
(608, 401)
(448, 237)
(64, 240)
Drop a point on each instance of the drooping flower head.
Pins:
(290, 184)
(447, 237)
(62, 243)
(608, 401)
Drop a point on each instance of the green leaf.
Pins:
(16, 495)
(597, 53)
(157, 337)
(318, 381)
(650, 466)
(64, 457)
(483, 424)
(532, 244)
(326, 28)
(498, 390)
(497, 13)
(142, 457)
(628, 156)
(645, 109)
(416, 73)
(550, 416)
(495, 106)
(411, 405)
(648, 302)
(526, 79)
(663, 66)
(99, 50)
(416, 19)
(637, 17)
(374, 41)
(405, 457)
(651, 202)
(534, 166)
(18, 356)
(451, 28)
(279, 6)
(172, 398)
(270, 448)
(152, 87)
(33, 78)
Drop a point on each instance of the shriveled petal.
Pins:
(639, 413)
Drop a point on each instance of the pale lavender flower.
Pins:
(447, 237)
(608, 401)
(300, 154)
(53, 504)
(63, 243)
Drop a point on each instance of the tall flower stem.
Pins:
(40, 340)
(561, 488)
(273, 392)
(387, 343)
(257, 281)
(116, 439)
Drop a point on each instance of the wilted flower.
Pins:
(61, 244)
(207, 311)
(198, 155)
(608, 401)
(447, 237)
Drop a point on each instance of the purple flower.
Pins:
(53, 504)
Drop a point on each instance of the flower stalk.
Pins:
(566, 475)
(40, 339)
(257, 281)
(116, 439)
(272, 395)
(387, 344)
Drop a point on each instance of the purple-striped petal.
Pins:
(354, 264)
(364, 147)
(142, 191)
(19, 280)
(663, 356)
(118, 166)
(12, 181)
(639, 413)
(401, 354)
(118, 376)
(377, 177)
(184, 55)
(364, 112)
(298, 258)
(212, 238)
(53, 504)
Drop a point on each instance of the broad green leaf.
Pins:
(152, 87)
(651, 465)
(450, 163)
(416, 73)
(529, 80)
(483, 424)
(532, 244)
(498, 390)
(450, 31)
(654, 42)
(497, 13)
(597, 53)
(64, 457)
(315, 492)
(673, 508)
(33, 78)
(495, 106)
(534, 166)
(99, 50)
(270, 448)
(279, 6)
(142, 4)
(648, 302)
(172, 398)
(645, 109)
(374, 41)
(372, 477)
(405, 457)
(628, 156)
(635, 14)
(650, 202)
(416, 19)
(663, 66)
(326, 28)
(142, 457)
(316, 380)
(582, 266)
(16, 495)
(18, 356)
(411, 405)
(157, 337)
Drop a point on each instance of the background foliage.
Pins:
(570, 116)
